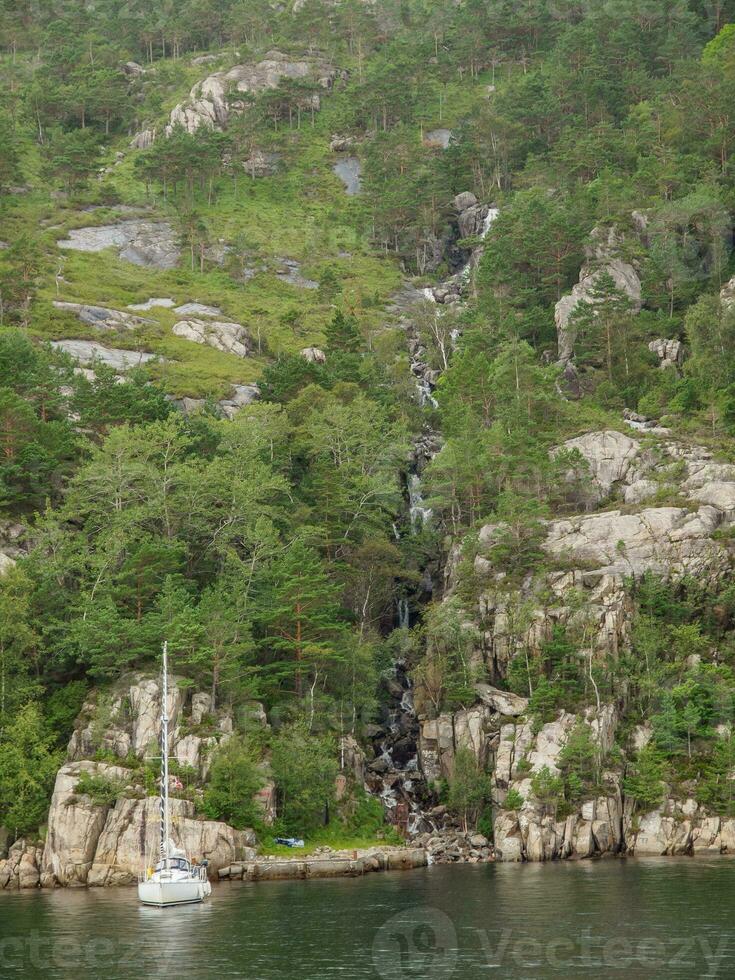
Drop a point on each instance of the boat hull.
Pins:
(164, 893)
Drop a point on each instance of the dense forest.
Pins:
(277, 546)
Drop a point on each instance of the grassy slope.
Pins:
(301, 213)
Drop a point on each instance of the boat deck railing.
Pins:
(197, 873)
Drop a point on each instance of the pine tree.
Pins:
(299, 618)
(342, 334)
(604, 326)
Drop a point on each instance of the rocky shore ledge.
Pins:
(332, 864)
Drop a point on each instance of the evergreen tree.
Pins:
(299, 619)
(343, 334)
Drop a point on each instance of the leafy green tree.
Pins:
(28, 766)
(287, 375)
(469, 788)
(715, 788)
(354, 451)
(535, 249)
(304, 768)
(226, 642)
(234, 780)
(645, 783)
(666, 725)
(513, 800)
(104, 401)
(20, 268)
(579, 762)
(604, 328)
(10, 153)
(548, 788)
(545, 701)
(18, 645)
(446, 675)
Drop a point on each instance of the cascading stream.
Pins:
(395, 775)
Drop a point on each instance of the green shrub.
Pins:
(102, 790)
(234, 780)
(514, 800)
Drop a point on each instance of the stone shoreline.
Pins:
(349, 864)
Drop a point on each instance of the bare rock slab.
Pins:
(90, 352)
(102, 317)
(145, 243)
(232, 338)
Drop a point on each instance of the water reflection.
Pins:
(638, 919)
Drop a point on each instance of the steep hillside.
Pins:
(380, 357)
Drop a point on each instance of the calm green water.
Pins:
(639, 918)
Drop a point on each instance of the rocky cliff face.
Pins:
(620, 533)
(212, 100)
(105, 843)
(94, 844)
(604, 255)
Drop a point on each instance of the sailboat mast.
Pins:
(165, 817)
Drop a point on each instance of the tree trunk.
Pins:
(299, 650)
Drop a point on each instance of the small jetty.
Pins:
(337, 864)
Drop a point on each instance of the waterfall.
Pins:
(419, 513)
(394, 775)
(490, 217)
(424, 391)
(404, 614)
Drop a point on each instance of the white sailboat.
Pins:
(173, 880)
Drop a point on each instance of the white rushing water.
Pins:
(404, 614)
(490, 218)
(420, 514)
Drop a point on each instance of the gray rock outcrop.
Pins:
(20, 865)
(102, 318)
(291, 273)
(213, 100)
(727, 295)
(532, 832)
(98, 844)
(89, 352)
(670, 353)
(679, 827)
(438, 139)
(611, 457)
(349, 170)
(590, 558)
(232, 338)
(155, 301)
(261, 163)
(95, 843)
(603, 255)
(146, 243)
(240, 397)
(131, 832)
(143, 140)
(197, 309)
(471, 215)
(661, 540)
(314, 355)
